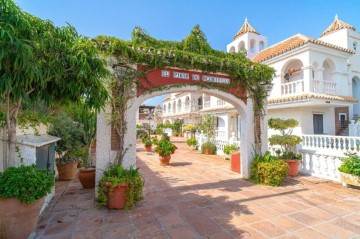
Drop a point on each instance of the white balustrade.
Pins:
(320, 165)
(206, 104)
(291, 88)
(326, 87)
(220, 102)
(330, 142)
(220, 143)
(221, 134)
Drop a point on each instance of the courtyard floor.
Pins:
(198, 196)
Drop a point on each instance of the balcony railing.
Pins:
(326, 87)
(220, 102)
(207, 104)
(187, 108)
(291, 88)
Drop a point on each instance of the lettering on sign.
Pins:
(215, 79)
(165, 73)
(181, 75)
(195, 77)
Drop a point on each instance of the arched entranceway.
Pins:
(146, 67)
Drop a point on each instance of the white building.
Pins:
(317, 80)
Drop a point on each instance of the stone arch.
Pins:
(329, 69)
(245, 110)
(241, 46)
(179, 104)
(232, 49)
(292, 71)
(252, 46)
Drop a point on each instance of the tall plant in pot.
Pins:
(287, 142)
(71, 134)
(350, 170)
(22, 192)
(207, 125)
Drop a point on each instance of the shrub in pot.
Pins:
(22, 192)
(229, 149)
(286, 141)
(192, 143)
(350, 170)
(72, 139)
(120, 188)
(268, 169)
(208, 148)
(232, 151)
(148, 143)
(165, 148)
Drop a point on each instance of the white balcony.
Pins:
(207, 104)
(292, 88)
(220, 102)
(325, 87)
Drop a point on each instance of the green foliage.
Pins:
(177, 125)
(351, 165)
(190, 127)
(210, 146)
(191, 142)
(27, 183)
(207, 124)
(267, 169)
(286, 140)
(116, 174)
(230, 147)
(140, 133)
(71, 134)
(164, 136)
(164, 147)
(148, 142)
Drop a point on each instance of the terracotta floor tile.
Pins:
(171, 219)
(246, 233)
(182, 232)
(348, 225)
(308, 233)
(268, 229)
(59, 228)
(287, 223)
(333, 231)
(206, 227)
(305, 218)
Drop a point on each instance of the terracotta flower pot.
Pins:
(164, 160)
(17, 219)
(148, 148)
(67, 171)
(293, 167)
(235, 162)
(208, 151)
(116, 196)
(87, 177)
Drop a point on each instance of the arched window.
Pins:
(200, 103)
(252, 45)
(179, 105)
(329, 68)
(164, 108)
(261, 46)
(174, 107)
(232, 49)
(241, 45)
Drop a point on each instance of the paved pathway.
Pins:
(198, 196)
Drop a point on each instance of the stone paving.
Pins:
(198, 196)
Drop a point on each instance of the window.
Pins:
(354, 45)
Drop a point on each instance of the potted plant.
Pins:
(148, 143)
(71, 134)
(87, 172)
(286, 141)
(165, 148)
(192, 143)
(208, 148)
(120, 188)
(268, 169)
(350, 170)
(191, 128)
(233, 150)
(22, 192)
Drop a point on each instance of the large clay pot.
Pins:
(87, 177)
(67, 171)
(235, 162)
(208, 151)
(17, 219)
(165, 160)
(293, 167)
(117, 196)
(148, 148)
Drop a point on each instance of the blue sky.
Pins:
(173, 19)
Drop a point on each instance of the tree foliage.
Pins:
(207, 124)
(40, 62)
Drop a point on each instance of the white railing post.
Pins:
(232, 138)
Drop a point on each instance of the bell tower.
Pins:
(247, 40)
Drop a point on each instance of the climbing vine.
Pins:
(193, 53)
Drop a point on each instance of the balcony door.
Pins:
(318, 120)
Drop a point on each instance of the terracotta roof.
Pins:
(246, 27)
(158, 107)
(337, 25)
(290, 44)
(167, 98)
(312, 96)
